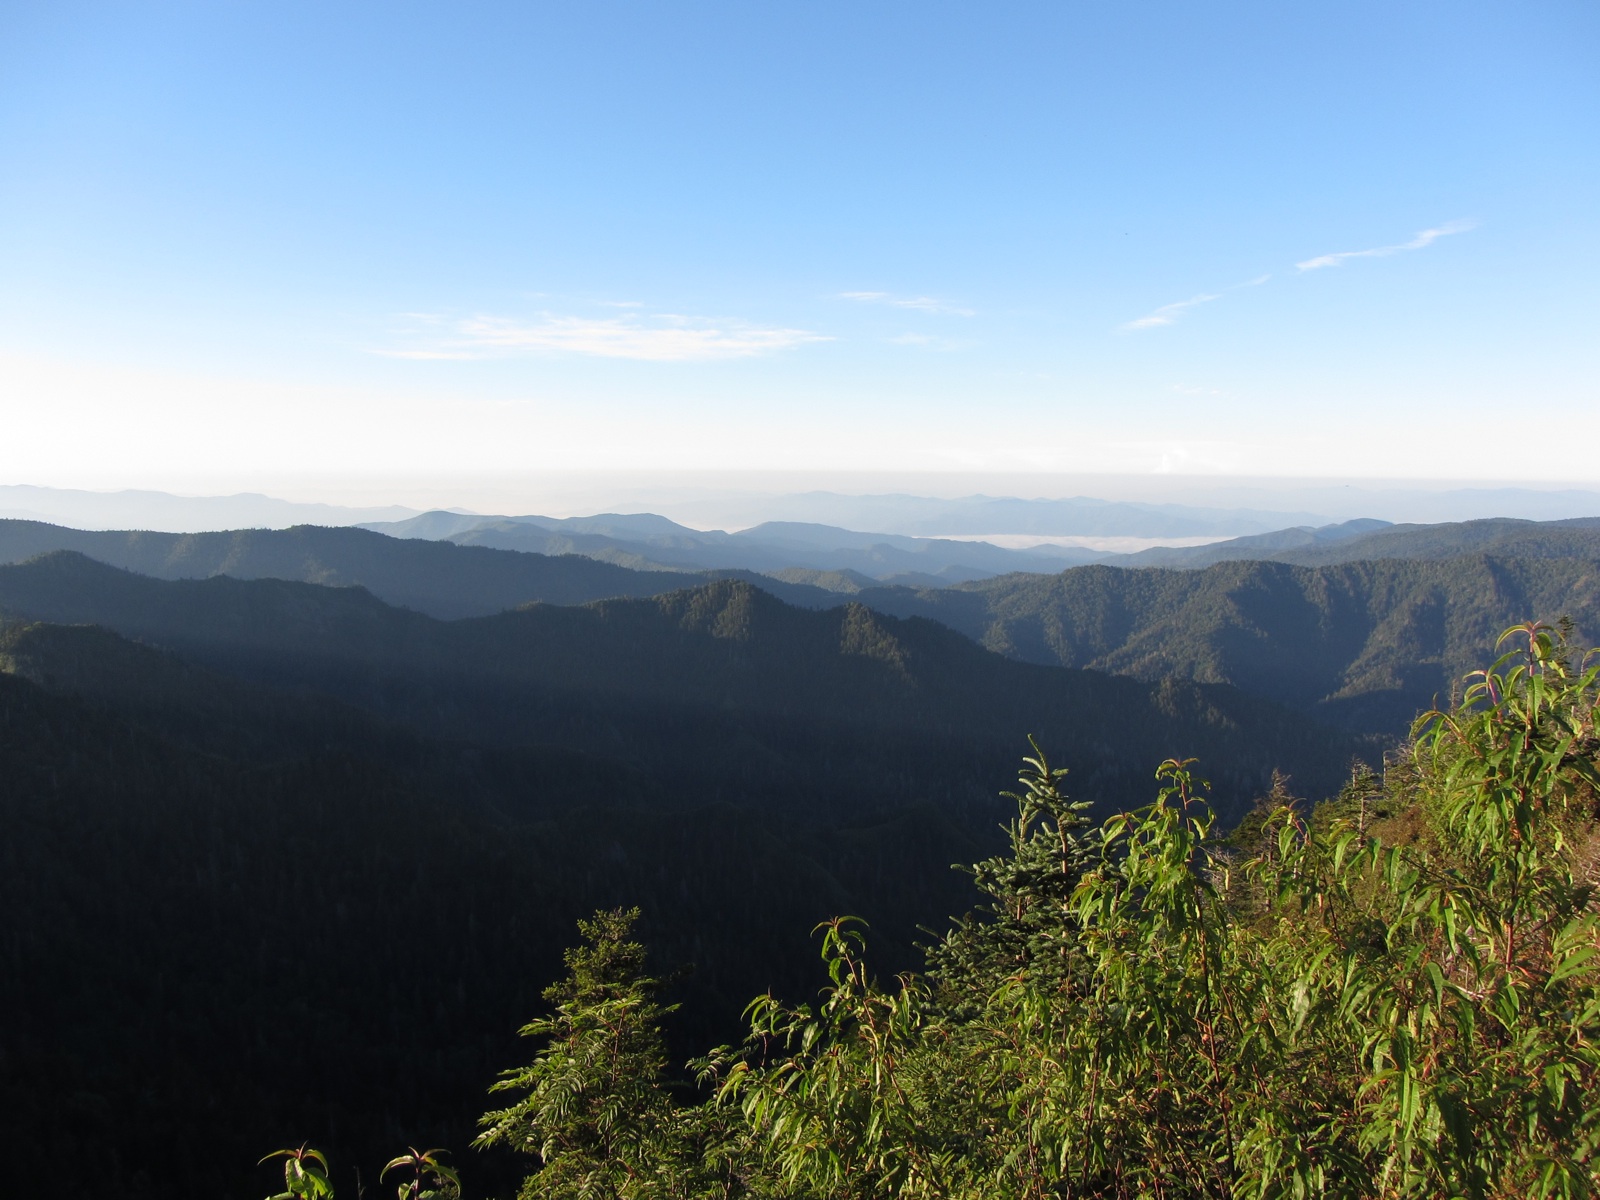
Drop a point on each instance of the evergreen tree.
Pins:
(1022, 925)
(595, 1110)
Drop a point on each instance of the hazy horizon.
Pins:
(733, 501)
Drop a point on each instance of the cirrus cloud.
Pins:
(1168, 313)
(1423, 239)
(926, 304)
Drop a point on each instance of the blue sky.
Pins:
(243, 244)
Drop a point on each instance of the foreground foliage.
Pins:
(422, 1175)
(1397, 995)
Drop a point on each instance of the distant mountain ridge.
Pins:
(979, 515)
(1076, 516)
(1220, 507)
(1262, 545)
(145, 509)
(435, 577)
(1213, 508)
(779, 549)
(1355, 541)
(889, 513)
(645, 541)
(1367, 643)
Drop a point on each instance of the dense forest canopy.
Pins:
(1364, 645)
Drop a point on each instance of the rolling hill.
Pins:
(645, 541)
(436, 577)
(1357, 541)
(1366, 644)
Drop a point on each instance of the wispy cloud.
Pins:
(926, 304)
(925, 341)
(1423, 239)
(1169, 313)
(666, 337)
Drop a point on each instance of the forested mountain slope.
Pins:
(236, 916)
(1367, 644)
(722, 684)
(1354, 541)
(435, 577)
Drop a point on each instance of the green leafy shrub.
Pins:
(305, 1174)
(430, 1178)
